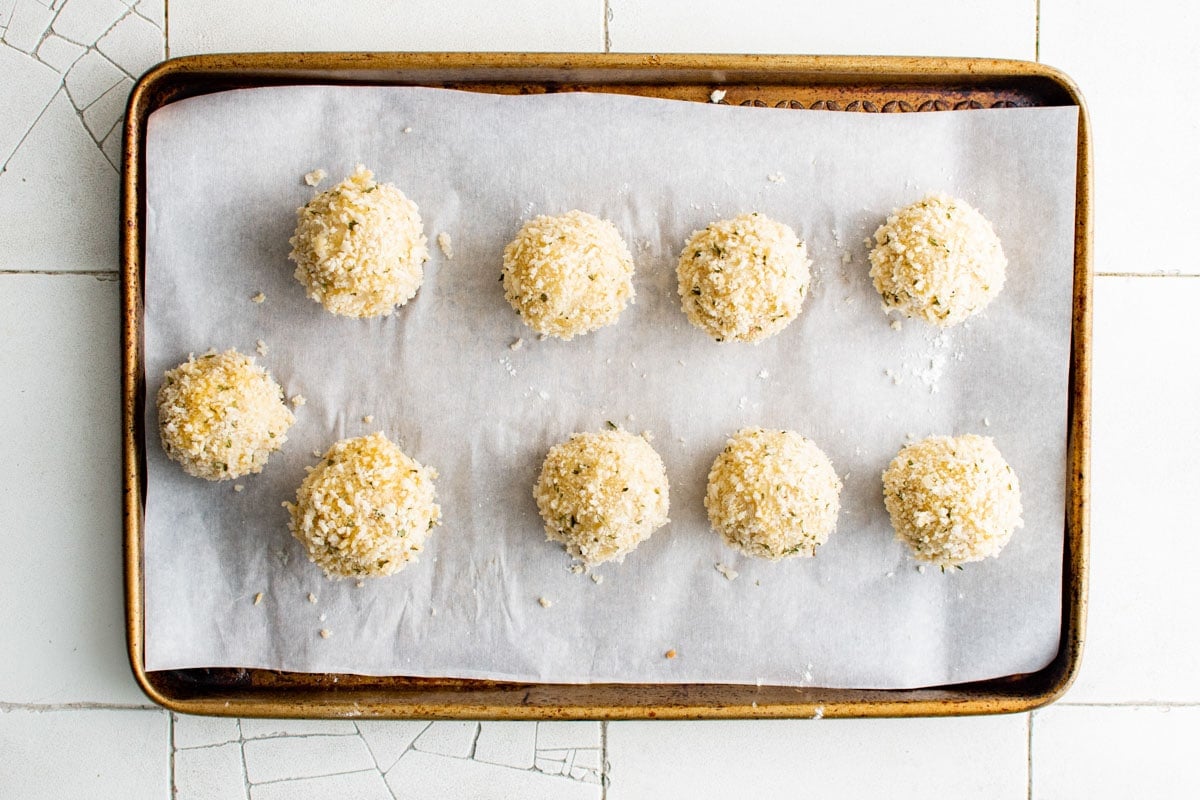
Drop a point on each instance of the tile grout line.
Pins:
(1037, 30)
(604, 760)
(1029, 756)
(171, 754)
(607, 35)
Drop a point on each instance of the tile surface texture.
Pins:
(85, 753)
(993, 28)
(1127, 727)
(1139, 67)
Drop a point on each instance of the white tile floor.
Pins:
(68, 707)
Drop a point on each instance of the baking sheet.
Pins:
(439, 377)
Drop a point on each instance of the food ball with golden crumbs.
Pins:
(952, 499)
(221, 416)
(743, 279)
(568, 275)
(938, 260)
(366, 510)
(773, 494)
(601, 494)
(359, 247)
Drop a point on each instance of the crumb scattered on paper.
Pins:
(260, 347)
(297, 400)
(359, 584)
(544, 602)
(315, 177)
(597, 578)
(368, 419)
(446, 245)
(237, 487)
(321, 618)
(258, 298)
(777, 177)
(670, 654)
(818, 712)
(575, 569)
(763, 374)
(897, 325)
(312, 598)
(717, 96)
(326, 633)
(258, 598)
(408, 130)
(729, 573)
(987, 423)
(516, 344)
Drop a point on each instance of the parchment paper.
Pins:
(224, 179)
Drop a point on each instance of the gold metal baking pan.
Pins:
(835, 84)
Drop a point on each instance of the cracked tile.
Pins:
(28, 87)
(263, 728)
(92, 76)
(153, 10)
(448, 738)
(510, 744)
(567, 735)
(419, 775)
(85, 21)
(60, 193)
(210, 772)
(27, 24)
(101, 115)
(134, 44)
(59, 53)
(111, 146)
(350, 786)
(204, 731)
(388, 739)
(305, 757)
(85, 753)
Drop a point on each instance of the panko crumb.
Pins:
(545, 602)
(315, 177)
(763, 374)
(368, 419)
(670, 654)
(297, 400)
(897, 325)
(312, 598)
(777, 177)
(326, 633)
(446, 245)
(576, 568)
(717, 95)
(597, 578)
(729, 573)
(258, 298)
(258, 598)
(260, 347)
(359, 584)
(408, 130)
(237, 487)
(516, 344)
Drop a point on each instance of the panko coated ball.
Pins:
(773, 494)
(601, 494)
(365, 510)
(743, 279)
(568, 275)
(359, 247)
(938, 260)
(221, 416)
(952, 499)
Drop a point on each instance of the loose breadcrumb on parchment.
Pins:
(670, 654)
(716, 96)
(368, 419)
(545, 602)
(315, 177)
(326, 633)
(260, 347)
(446, 244)
(258, 598)
(258, 298)
(297, 400)
(729, 573)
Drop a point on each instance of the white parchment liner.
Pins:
(224, 179)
